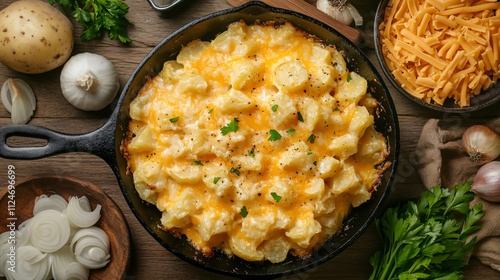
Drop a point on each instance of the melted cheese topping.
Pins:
(258, 142)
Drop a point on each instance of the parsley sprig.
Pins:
(428, 239)
(96, 16)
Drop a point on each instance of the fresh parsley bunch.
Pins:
(95, 16)
(429, 238)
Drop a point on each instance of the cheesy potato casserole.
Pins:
(257, 143)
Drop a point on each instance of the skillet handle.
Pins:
(99, 142)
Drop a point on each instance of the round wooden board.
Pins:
(112, 220)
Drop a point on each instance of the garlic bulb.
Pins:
(18, 99)
(89, 81)
(340, 10)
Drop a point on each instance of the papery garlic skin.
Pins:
(487, 182)
(18, 99)
(89, 81)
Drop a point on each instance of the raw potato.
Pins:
(35, 37)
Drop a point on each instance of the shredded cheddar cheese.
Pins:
(257, 143)
(439, 50)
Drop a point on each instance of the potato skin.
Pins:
(35, 37)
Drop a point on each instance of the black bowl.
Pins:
(207, 28)
(481, 101)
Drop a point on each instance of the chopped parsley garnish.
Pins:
(275, 135)
(216, 179)
(291, 131)
(276, 197)
(252, 152)
(336, 109)
(349, 78)
(274, 108)
(244, 211)
(235, 171)
(230, 127)
(210, 111)
(309, 153)
(174, 119)
(311, 138)
(299, 115)
(198, 162)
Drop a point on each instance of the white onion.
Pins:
(79, 212)
(49, 231)
(4, 250)
(30, 264)
(91, 247)
(64, 265)
(50, 245)
(44, 202)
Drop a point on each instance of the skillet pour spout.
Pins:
(106, 141)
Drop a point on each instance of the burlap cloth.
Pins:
(442, 161)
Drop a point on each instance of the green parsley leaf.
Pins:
(235, 171)
(198, 162)
(428, 238)
(275, 135)
(244, 211)
(309, 153)
(97, 17)
(276, 197)
(216, 179)
(349, 78)
(230, 127)
(291, 131)
(252, 152)
(311, 138)
(174, 119)
(210, 111)
(299, 116)
(336, 109)
(274, 108)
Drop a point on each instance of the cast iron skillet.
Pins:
(105, 142)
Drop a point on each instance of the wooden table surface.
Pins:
(149, 259)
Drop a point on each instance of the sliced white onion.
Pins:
(65, 266)
(79, 212)
(30, 264)
(358, 19)
(49, 230)
(91, 247)
(4, 250)
(45, 202)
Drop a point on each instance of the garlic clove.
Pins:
(18, 99)
(487, 182)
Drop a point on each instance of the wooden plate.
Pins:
(112, 220)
